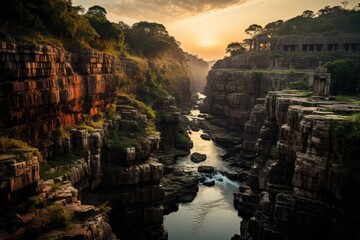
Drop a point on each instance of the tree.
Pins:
(151, 39)
(308, 14)
(253, 30)
(235, 48)
(271, 28)
(247, 43)
(345, 76)
(97, 11)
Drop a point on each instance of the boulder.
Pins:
(209, 183)
(205, 136)
(206, 169)
(198, 157)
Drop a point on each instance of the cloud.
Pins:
(167, 10)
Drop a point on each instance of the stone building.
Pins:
(350, 43)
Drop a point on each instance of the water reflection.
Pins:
(211, 215)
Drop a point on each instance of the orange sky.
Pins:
(205, 27)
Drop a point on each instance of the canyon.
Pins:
(280, 143)
(297, 186)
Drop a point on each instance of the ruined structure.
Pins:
(350, 43)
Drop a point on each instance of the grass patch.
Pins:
(349, 99)
(61, 164)
(59, 217)
(128, 99)
(17, 147)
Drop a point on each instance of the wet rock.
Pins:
(209, 183)
(205, 136)
(232, 175)
(206, 169)
(198, 157)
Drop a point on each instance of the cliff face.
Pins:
(304, 186)
(43, 88)
(234, 92)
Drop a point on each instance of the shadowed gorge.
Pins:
(111, 130)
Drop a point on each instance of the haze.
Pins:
(205, 27)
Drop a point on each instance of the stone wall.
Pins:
(43, 87)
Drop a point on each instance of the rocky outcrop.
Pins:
(131, 176)
(296, 184)
(44, 88)
(232, 93)
(180, 186)
(18, 177)
(54, 213)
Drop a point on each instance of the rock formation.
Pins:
(301, 187)
(232, 93)
(44, 88)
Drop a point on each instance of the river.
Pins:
(211, 215)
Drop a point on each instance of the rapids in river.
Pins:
(211, 215)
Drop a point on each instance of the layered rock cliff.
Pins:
(232, 93)
(44, 87)
(298, 180)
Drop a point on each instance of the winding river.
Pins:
(211, 215)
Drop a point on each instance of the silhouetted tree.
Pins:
(308, 14)
(97, 11)
(235, 48)
(253, 30)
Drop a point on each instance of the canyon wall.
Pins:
(232, 93)
(46, 96)
(303, 191)
(43, 88)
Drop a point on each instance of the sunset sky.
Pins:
(205, 27)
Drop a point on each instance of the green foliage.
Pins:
(105, 209)
(327, 20)
(110, 113)
(62, 164)
(182, 140)
(350, 99)
(58, 133)
(347, 141)
(12, 146)
(131, 100)
(345, 76)
(348, 134)
(120, 142)
(59, 216)
(298, 85)
(150, 39)
(36, 202)
(58, 19)
(256, 75)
